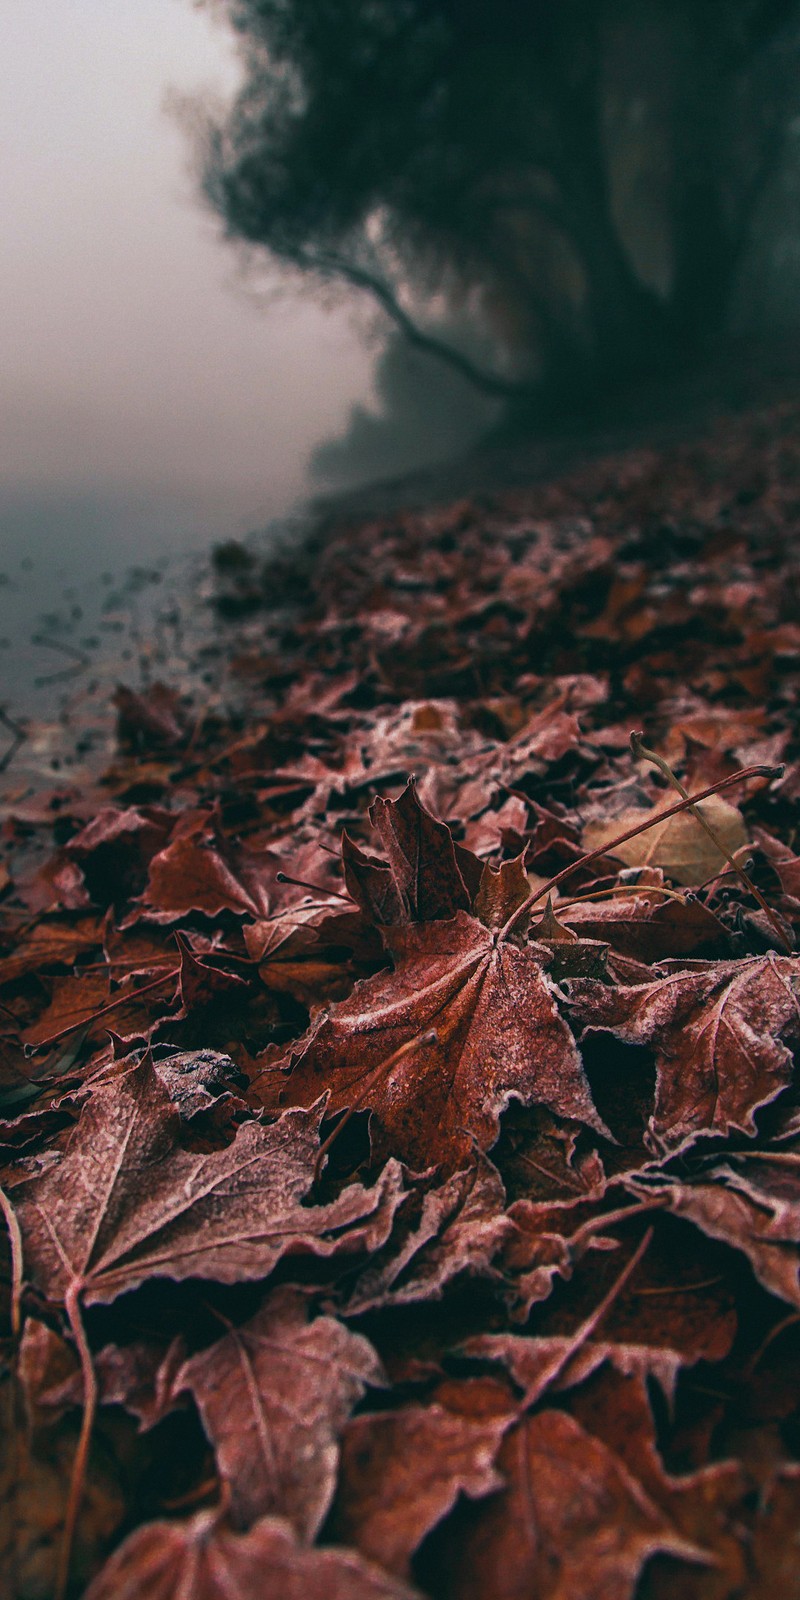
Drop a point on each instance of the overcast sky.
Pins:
(128, 360)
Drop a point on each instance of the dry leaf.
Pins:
(680, 845)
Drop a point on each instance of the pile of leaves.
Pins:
(401, 1174)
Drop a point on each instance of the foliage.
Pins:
(400, 1176)
(587, 174)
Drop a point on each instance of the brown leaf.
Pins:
(50, 944)
(34, 1485)
(77, 1003)
(650, 930)
(372, 884)
(498, 1036)
(554, 1362)
(549, 735)
(403, 1470)
(298, 928)
(45, 1362)
(502, 891)
(717, 1031)
(570, 956)
(125, 1204)
(139, 1376)
(706, 1507)
(115, 847)
(206, 1560)
(786, 864)
(776, 1545)
(572, 1524)
(274, 1396)
(459, 1229)
(422, 858)
(550, 1237)
(195, 872)
(200, 984)
(750, 1202)
(665, 1316)
(311, 982)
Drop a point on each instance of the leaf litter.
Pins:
(400, 1144)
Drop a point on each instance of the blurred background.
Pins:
(258, 248)
(140, 390)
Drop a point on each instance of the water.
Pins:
(95, 588)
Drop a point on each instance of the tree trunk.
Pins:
(627, 325)
(705, 263)
(705, 256)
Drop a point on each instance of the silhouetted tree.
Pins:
(423, 413)
(587, 172)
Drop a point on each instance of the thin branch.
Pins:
(331, 264)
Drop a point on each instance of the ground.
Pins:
(400, 1144)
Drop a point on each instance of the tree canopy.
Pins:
(588, 174)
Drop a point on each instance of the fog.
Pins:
(134, 369)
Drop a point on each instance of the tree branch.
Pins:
(330, 264)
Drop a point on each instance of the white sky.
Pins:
(127, 357)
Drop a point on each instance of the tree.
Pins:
(585, 175)
(424, 413)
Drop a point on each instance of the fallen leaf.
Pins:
(403, 1470)
(195, 873)
(139, 1376)
(205, 1559)
(438, 1047)
(650, 929)
(274, 1396)
(750, 1203)
(125, 1204)
(422, 858)
(502, 891)
(459, 1229)
(717, 1032)
(776, 1540)
(679, 845)
(572, 1522)
(50, 944)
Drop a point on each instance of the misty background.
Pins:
(594, 196)
(150, 403)
(134, 364)
(133, 369)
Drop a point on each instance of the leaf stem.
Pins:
(642, 753)
(591, 1324)
(630, 833)
(78, 1478)
(16, 1262)
(119, 1000)
(316, 888)
(620, 889)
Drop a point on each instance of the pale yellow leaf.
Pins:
(679, 845)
